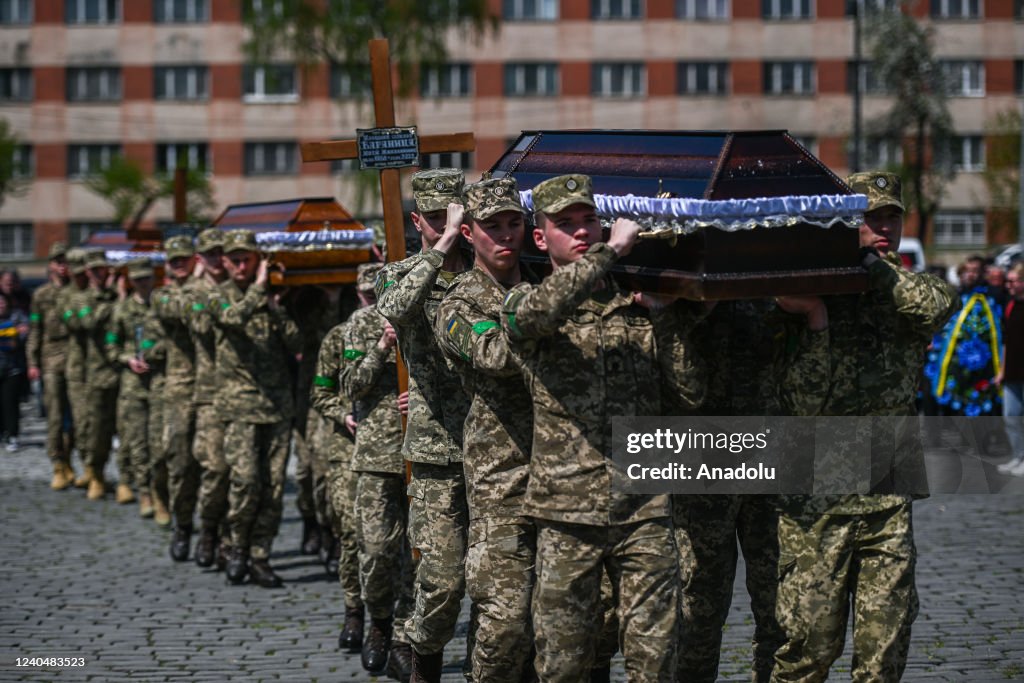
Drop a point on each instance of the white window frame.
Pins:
(79, 16)
(347, 88)
(957, 9)
(196, 11)
(775, 10)
(18, 12)
(460, 75)
(80, 231)
(22, 241)
(197, 153)
(261, 7)
(197, 82)
(776, 78)
(105, 151)
(108, 81)
(530, 10)
(518, 74)
(964, 154)
(689, 76)
(966, 77)
(605, 10)
(462, 160)
(703, 10)
(22, 82)
(971, 235)
(880, 152)
(284, 153)
(259, 80)
(633, 77)
(23, 164)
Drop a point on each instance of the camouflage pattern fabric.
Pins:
(215, 476)
(48, 341)
(640, 559)
(561, 192)
(491, 196)
(156, 357)
(70, 301)
(434, 188)
(383, 554)
(882, 188)
(93, 316)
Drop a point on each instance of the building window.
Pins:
(447, 80)
(1018, 9)
(15, 11)
(703, 10)
(180, 82)
(703, 78)
(956, 9)
(530, 10)
(94, 84)
(870, 6)
(787, 9)
(808, 142)
(965, 78)
(271, 158)
(84, 160)
(16, 241)
(270, 83)
(962, 154)
(344, 165)
(462, 160)
(531, 80)
(618, 80)
(616, 9)
(191, 155)
(789, 78)
(80, 231)
(264, 9)
(879, 153)
(15, 85)
(180, 11)
(1018, 76)
(350, 83)
(870, 80)
(23, 163)
(92, 11)
(959, 229)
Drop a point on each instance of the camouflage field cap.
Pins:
(96, 259)
(57, 250)
(140, 268)
(561, 192)
(209, 239)
(178, 246)
(240, 240)
(882, 188)
(76, 260)
(435, 188)
(491, 196)
(366, 274)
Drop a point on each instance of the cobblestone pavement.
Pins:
(92, 580)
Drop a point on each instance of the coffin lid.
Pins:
(288, 215)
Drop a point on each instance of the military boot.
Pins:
(310, 536)
(124, 494)
(400, 662)
(263, 574)
(60, 479)
(206, 546)
(83, 481)
(97, 487)
(160, 513)
(351, 637)
(375, 646)
(181, 541)
(223, 554)
(238, 566)
(426, 668)
(145, 505)
(601, 674)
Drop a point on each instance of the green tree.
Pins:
(903, 57)
(1002, 170)
(131, 191)
(13, 182)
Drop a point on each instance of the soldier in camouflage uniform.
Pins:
(408, 294)
(254, 338)
(369, 378)
(128, 348)
(498, 429)
(835, 550)
(69, 301)
(93, 316)
(590, 351)
(172, 306)
(208, 444)
(47, 360)
(336, 438)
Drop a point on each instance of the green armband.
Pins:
(147, 344)
(198, 307)
(34, 318)
(326, 382)
(84, 311)
(353, 354)
(112, 338)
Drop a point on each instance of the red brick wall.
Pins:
(49, 83)
(51, 160)
(575, 78)
(831, 9)
(661, 9)
(575, 9)
(226, 82)
(832, 152)
(229, 11)
(135, 12)
(747, 77)
(137, 82)
(488, 79)
(142, 152)
(998, 76)
(831, 76)
(46, 233)
(227, 156)
(49, 12)
(661, 78)
(316, 82)
(999, 9)
(746, 9)
(488, 150)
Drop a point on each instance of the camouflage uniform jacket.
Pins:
(408, 294)
(94, 316)
(170, 304)
(254, 341)
(126, 339)
(71, 300)
(499, 426)
(48, 335)
(199, 322)
(325, 395)
(878, 346)
(369, 377)
(588, 358)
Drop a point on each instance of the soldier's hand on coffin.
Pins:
(388, 339)
(653, 301)
(810, 306)
(262, 272)
(623, 236)
(33, 374)
(350, 424)
(403, 403)
(111, 278)
(200, 269)
(452, 228)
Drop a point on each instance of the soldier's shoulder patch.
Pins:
(460, 332)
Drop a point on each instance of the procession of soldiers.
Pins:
(492, 476)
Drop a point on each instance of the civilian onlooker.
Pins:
(1011, 375)
(995, 278)
(13, 332)
(18, 298)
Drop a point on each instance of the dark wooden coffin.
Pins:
(710, 264)
(140, 242)
(306, 267)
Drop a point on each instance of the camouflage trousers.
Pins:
(78, 397)
(102, 424)
(157, 452)
(642, 565)
(827, 561)
(133, 427)
(438, 524)
(385, 562)
(341, 493)
(258, 456)
(310, 475)
(499, 580)
(214, 480)
(707, 531)
(183, 469)
(60, 441)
